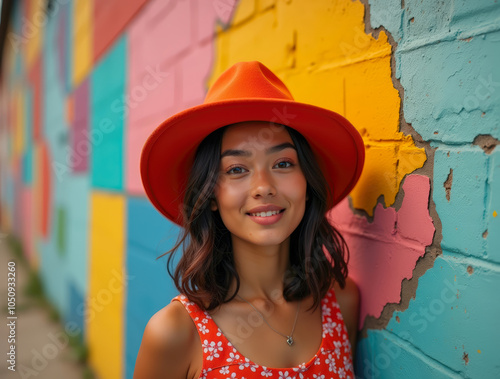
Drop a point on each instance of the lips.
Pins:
(266, 215)
(265, 210)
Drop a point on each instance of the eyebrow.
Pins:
(246, 153)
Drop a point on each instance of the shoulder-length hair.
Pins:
(318, 253)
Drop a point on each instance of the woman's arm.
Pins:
(348, 299)
(168, 345)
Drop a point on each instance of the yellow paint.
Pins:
(82, 40)
(34, 26)
(479, 351)
(321, 52)
(494, 213)
(105, 302)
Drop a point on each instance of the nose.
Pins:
(263, 184)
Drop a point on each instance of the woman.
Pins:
(262, 273)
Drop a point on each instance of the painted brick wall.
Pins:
(85, 82)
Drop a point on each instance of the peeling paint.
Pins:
(448, 183)
(486, 142)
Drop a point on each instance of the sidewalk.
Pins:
(38, 352)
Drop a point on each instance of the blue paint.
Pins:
(449, 81)
(453, 313)
(77, 206)
(149, 287)
(493, 223)
(107, 125)
(75, 318)
(384, 355)
(462, 217)
(27, 164)
(447, 60)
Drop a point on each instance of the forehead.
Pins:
(254, 135)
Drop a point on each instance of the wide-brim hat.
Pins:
(247, 91)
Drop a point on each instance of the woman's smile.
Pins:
(261, 190)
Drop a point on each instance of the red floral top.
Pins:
(222, 360)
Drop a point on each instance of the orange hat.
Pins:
(247, 91)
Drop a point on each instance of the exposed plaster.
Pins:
(448, 183)
(486, 142)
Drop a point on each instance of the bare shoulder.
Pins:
(348, 299)
(168, 347)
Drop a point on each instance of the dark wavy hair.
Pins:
(318, 253)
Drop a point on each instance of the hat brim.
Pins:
(168, 154)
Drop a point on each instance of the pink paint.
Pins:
(170, 60)
(81, 139)
(385, 251)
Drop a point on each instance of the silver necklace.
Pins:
(289, 339)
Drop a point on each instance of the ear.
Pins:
(213, 205)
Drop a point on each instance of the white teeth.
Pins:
(265, 214)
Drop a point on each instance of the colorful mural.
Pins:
(85, 82)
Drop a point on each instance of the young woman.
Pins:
(250, 175)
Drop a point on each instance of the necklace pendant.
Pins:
(289, 341)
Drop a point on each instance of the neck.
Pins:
(261, 269)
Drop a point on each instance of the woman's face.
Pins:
(261, 190)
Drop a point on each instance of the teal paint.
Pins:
(385, 355)
(453, 314)
(107, 86)
(27, 165)
(462, 217)
(447, 57)
(61, 231)
(77, 205)
(150, 288)
(492, 235)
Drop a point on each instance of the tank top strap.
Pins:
(335, 336)
(218, 352)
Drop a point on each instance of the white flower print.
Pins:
(318, 376)
(265, 372)
(329, 327)
(339, 329)
(341, 373)
(247, 364)
(284, 374)
(212, 348)
(232, 357)
(325, 309)
(339, 316)
(224, 370)
(338, 345)
(233, 375)
(205, 320)
(330, 361)
(203, 328)
(347, 364)
(300, 369)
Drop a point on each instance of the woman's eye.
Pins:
(236, 170)
(284, 164)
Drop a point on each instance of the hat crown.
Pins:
(246, 80)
